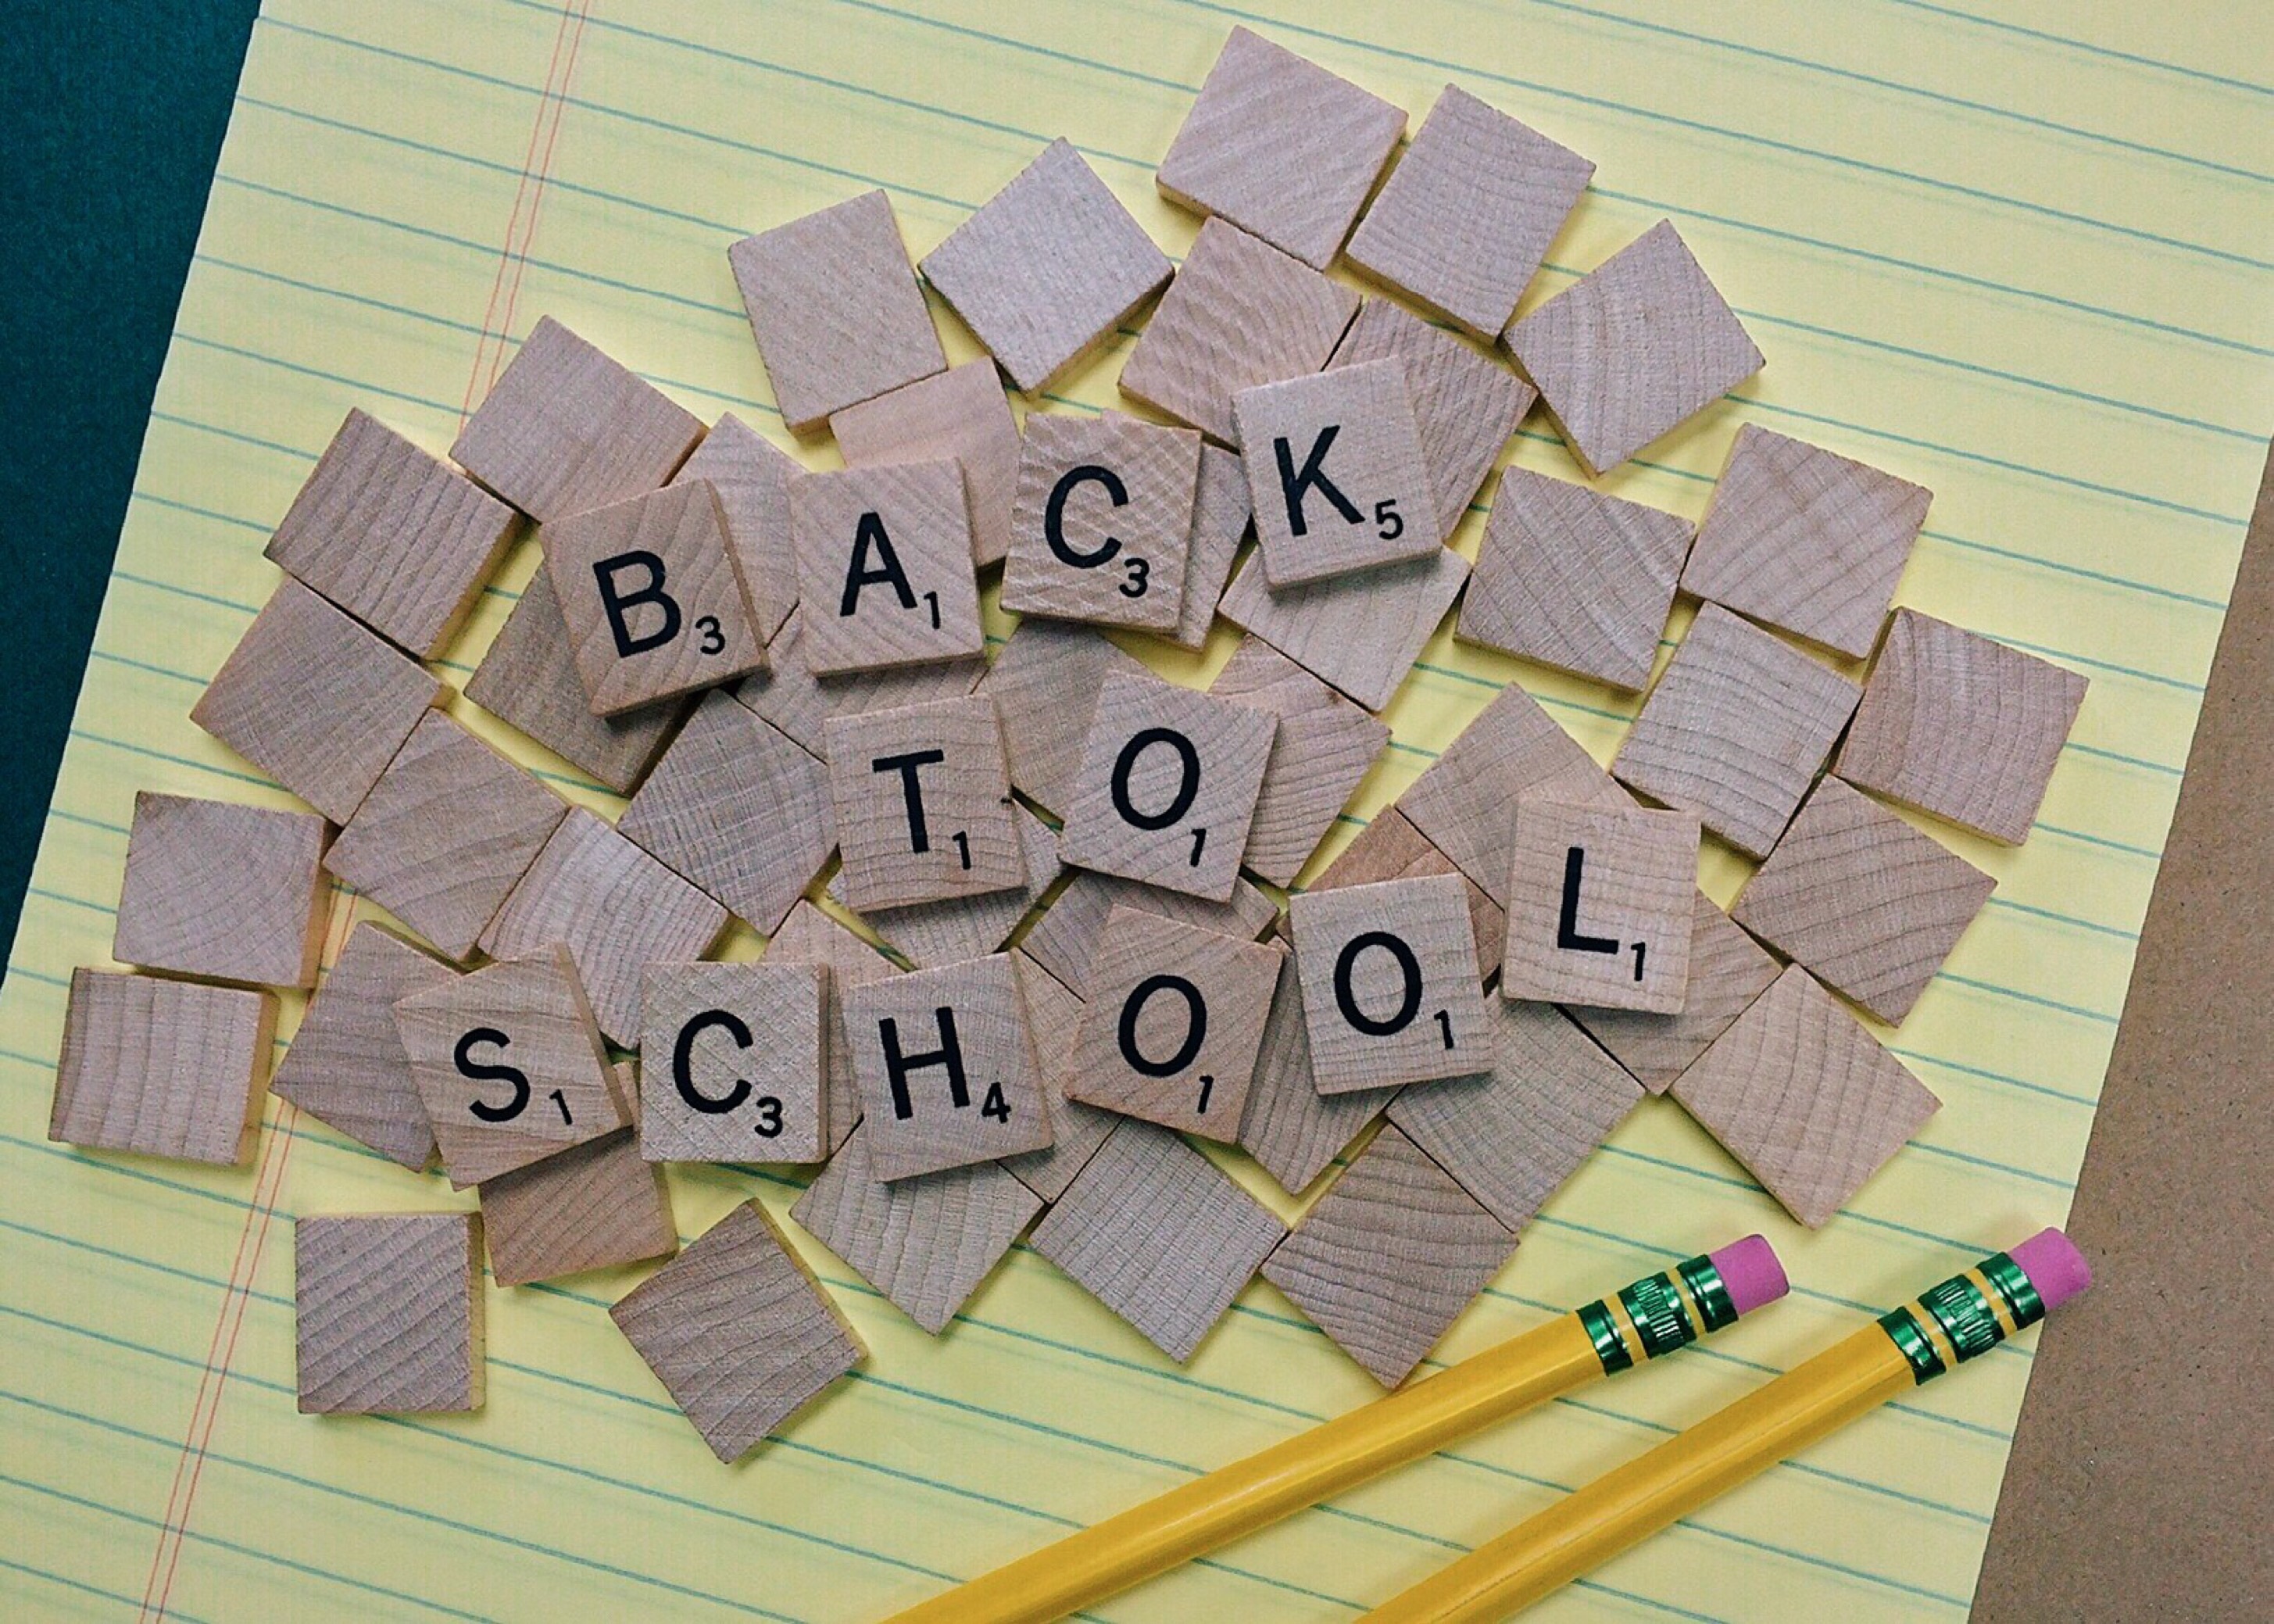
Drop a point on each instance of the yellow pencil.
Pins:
(1654, 1316)
(1965, 1316)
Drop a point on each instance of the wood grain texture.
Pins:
(1054, 1022)
(931, 934)
(1044, 684)
(751, 476)
(1290, 1128)
(1391, 993)
(388, 1310)
(1391, 847)
(923, 800)
(597, 1206)
(798, 704)
(1640, 345)
(165, 1068)
(1064, 938)
(1727, 971)
(1280, 147)
(734, 1059)
(315, 701)
(809, 936)
(1221, 517)
(398, 539)
(1348, 432)
(1360, 635)
(1804, 1098)
(1609, 926)
(1960, 726)
(1322, 749)
(884, 567)
(835, 308)
(1103, 520)
(565, 429)
(960, 413)
(347, 1066)
(220, 889)
(1047, 269)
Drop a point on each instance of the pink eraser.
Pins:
(2055, 1266)
(1750, 1271)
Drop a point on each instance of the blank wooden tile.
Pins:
(945, 1067)
(1360, 635)
(1290, 1128)
(809, 936)
(1736, 730)
(1727, 971)
(1064, 937)
(445, 834)
(313, 699)
(388, 1308)
(1391, 847)
(1391, 993)
(1804, 1098)
(1240, 313)
(566, 428)
(884, 567)
(1960, 726)
(1598, 905)
(347, 1066)
(1153, 1231)
(1221, 515)
(400, 539)
(597, 1206)
(165, 1068)
(834, 305)
(930, 934)
(738, 1332)
(220, 889)
(1044, 684)
(1054, 1022)
(1103, 520)
(1324, 748)
(960, 413)
(751, 476)
(732, 1059)
(1280, 147)
(923, 804)
(1048, 268)
(1335, 472)
(1867, 903)
(1574, 578)
(799, 704)
(1637, 346)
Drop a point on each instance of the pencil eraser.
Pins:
(2055, 1266)
(1750, 1271)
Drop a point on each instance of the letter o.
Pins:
(1409, 1002)
(1188, 787)
(1195, 1025)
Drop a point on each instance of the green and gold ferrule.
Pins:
(1965, 1316)
(1661, 1322)
(1911, 1341)
(1714, 1307)
(1603, 1331)
(2013, 1289)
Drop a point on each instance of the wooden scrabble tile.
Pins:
(751, 476)
(1288, 1127)
(1804, 1098)
(931, 934)
(799, 704)
(444, 835)
(1361, 635)
(926, 1244)
(834, 305)
(1467, 214)
(566, 428)
(651, 598)
(809, 936)
(389, 1313)
(1054, 1022)
(1391, 993)
(1574, 578)
(1044, 684)
(1324, 748)
(1727, 971)
(165, 1068)
(1279, 147)
(347, 1066)
(1221, 515)
(400, 539)
(313, 699)
(946, 1067)
(1465, 403)
(1047, 269)
(220, 889)
(616, 909)
(884, 567)
(960, 413)
(1960, 726)
(1391, 847)
(923, 804)
(1103, 520)
(737, 808)
(511, 1066)
(1867, 903)
(1514, 1133)
(1600, 905)
(1240, 313)
(1064, 938)
(732, 1059)
(738, 1332)
(1335, 472)
(1389, 1257)
(1640, 343)
(597, 1206)
(1736, 730)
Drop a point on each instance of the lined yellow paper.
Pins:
(2019, 252)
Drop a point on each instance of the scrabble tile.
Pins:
(738, 810)
(566, 428)
(1288, 1127)
(1240, 313)
(1221, 517)
(597, 1206)
(809, 936)
(1391, 991)
(1735, 730)
(946, 1067)
(651, 598)
(732, 1061)
(1391, 847)
(960, 413)
(926, 1244)
(314, 700)
(751, 476)
(1867, 903)
(1103, 520)
(1574, 578)
(1467, 214)
(399, 539)
(1465, 403)
(1064, 937)
(923, 804)
(165, 1068)
(931, 934)
(834, 305)
(445, 834)
(884, 567)
(1640, 345)
(799, 704)
(1335, 471)
(220, 889)
(1804, 1098)
(1960, 726)
(1727, 971)
(1361, 635)
(1598, 905)
(511, 1066)
(1044, 684)
(388, 1308)
(738, 1332)
(1054, 1022)
(1047, 269)
(347, 1066)
(1322, 749)
(613, 907)
(1279, 147)
(1389, 1257)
